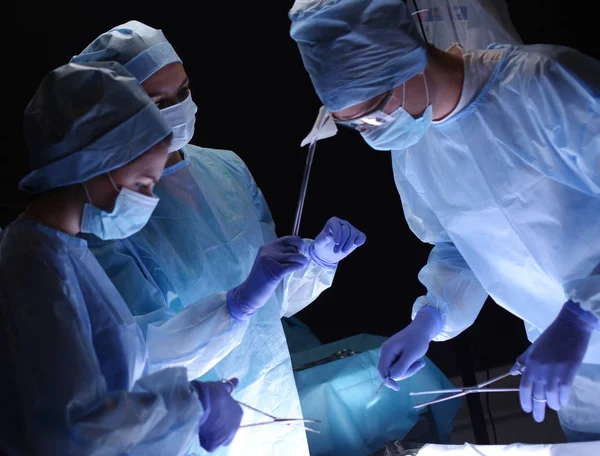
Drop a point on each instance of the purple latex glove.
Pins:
(222, 414)
(552, 361)
(336, 241)
(274, 261)
(401, 356)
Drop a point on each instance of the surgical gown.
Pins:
(73, 358)
(200, 242)
(508, 191)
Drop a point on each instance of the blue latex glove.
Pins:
(274, 261)
(401, 355)
(552, 361)
(336, 241)
(222, 414)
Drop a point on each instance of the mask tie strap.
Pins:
(113, 183)
(87, 194)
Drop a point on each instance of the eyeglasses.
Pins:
(374, 118)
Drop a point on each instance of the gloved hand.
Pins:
(222, 414)
(274, 261)
(401, 355)
(336, 241)
(552, 361)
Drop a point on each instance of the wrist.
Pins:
(431, 318)
(238, 305)
(203, 398)
(572, 313)
(323, 263)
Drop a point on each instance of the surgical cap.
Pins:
(355, 50)
(141, 49)
(86, 120)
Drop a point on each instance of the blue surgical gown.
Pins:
(73, 358)
(508, 191)
(200, 242)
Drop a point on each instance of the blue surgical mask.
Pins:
(131, 213)
(181, 118)
(403, 130)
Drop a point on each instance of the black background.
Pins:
(255, 98)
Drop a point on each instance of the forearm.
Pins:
(452, 289)
(197, 338)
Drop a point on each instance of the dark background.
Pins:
(255, 98)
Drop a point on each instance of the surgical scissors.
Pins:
(480, 388)
(274, 419)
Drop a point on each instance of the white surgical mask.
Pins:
(131, 213)
(403, 130)
(181, 118)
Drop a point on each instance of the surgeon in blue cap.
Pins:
(496, 155)
(207, 278)
(74, 361)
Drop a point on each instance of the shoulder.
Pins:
(30, 252)
(32, 239)
(556, 64)
(218, 159)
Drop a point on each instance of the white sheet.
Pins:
(516, 449)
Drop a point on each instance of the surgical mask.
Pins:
(131, 213)
(181, 118)
(401, 130)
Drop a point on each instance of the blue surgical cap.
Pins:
(85, 120)
(355, 50)
(141, 49)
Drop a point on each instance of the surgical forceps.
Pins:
(304, 186)
(323, 119)
(480, 388)
(340, 354)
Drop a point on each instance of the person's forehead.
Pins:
(171, 75)
(147, 162)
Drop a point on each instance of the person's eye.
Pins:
(183, 93)
(158, 101)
